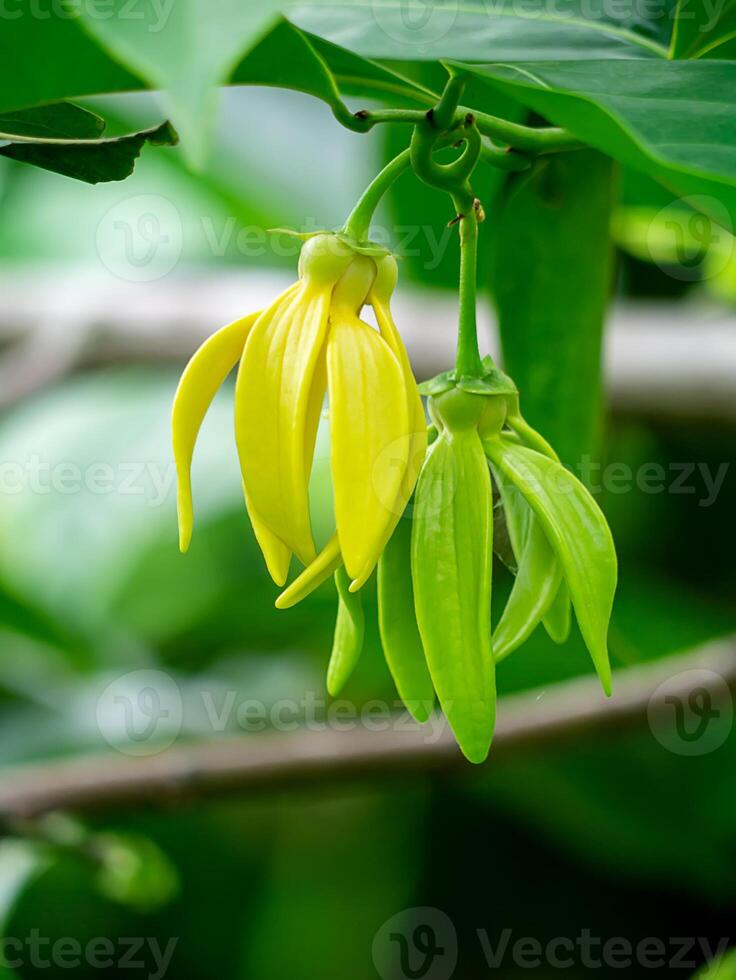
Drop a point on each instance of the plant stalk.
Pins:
(359, 220)
(468, 361)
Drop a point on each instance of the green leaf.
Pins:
(347, 644)
(672, 120)
(65, 62)
(286, 59)
(721, 968)
(60, 120)
(134, 871)
(362, 77)
(556, 222)
(700, 32)
(578, 532)
(474, 31)
(94, 160)
(187, 48)
(451, 569)
(402, 644)
(21, 862)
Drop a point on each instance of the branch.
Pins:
(527, 139)
(245, 765)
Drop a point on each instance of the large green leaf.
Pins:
(704, 30)
(186, 48)
(90, 160)
(45, 57)
(473, 30)
(21, 863)
(673, 120)
(58, 121)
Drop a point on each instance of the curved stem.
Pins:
(528, 139)
(359, 220)
(468, 360)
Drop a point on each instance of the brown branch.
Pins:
(245, 765)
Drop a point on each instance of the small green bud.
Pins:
(324, 258)
(457, 409)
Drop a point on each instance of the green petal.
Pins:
(558, 620)
(451, 570)
(347, 645)
(402, 644)
(578, 532)
(533, 592)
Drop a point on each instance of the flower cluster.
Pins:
(424, 516)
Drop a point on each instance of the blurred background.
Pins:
(106, 291)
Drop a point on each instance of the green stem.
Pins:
(528, 139)
(468, 360)
(358, 222)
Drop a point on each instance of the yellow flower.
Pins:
(308, 342)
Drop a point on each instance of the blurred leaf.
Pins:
(555, 224)
(701, 32)
(722, 968)
(288, 58)
(364, 78)
(134, 871)
(187, 48)
(92, 161)
(21, 862)
(59, 120)
(475, 31)
(671, 119)
(327, 883)
(65, 63)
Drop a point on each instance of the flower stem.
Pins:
(468, 360)
(526, 139)
(359, 219)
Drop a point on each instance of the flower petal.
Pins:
(417, 420)
(578, 532)
(325, 564)
(347, 644)
(275, 553)
(274, 411)
(202, 376)
(369, 436)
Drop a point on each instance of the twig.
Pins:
(246, 765)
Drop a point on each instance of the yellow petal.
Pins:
(418, 422)
(325, 564)
(391, 335)
(369, 437)
(202, 376)
(275, 553)
(275, 398)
